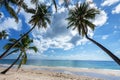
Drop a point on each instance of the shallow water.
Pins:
(70, 63)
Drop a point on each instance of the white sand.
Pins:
(50, 73)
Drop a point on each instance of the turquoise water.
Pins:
(70, 63)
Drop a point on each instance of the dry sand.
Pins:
(50, 73)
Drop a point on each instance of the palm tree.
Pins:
(79, 18)
(3, 34)
(21, 48)
(40, 18)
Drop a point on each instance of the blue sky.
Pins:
(57, 42)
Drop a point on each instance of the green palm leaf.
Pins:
(7, 45)
(33, 48)
(80, 18)
(12, 40)
(14, 51)
(41, 17)
(11, 11)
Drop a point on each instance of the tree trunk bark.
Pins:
(115, 58)
(3, 54)
(6, 70)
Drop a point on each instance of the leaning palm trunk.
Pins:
(115, 58)
(16, 42)
(6, 70)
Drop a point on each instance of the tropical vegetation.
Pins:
(21, 48)
(80, 18)
(40, 18)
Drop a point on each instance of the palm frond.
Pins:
(14, 51)
(11, 11)
(12, 40)
(54, 2)
(7, 46)
(30, 10)
(89, 24)
(33, 48)
(34, 1)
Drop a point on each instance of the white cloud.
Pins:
(27, 16)
(9, 23)
(89, 1)
(60, 2)
(109, 2)
(53, 37)
(58, 36)
(101, 18)
(82, 55)
(116, 10)
(105, 37)
(28, 2)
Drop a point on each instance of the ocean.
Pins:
(70, 63)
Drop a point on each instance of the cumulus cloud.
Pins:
(109, 2)
(101, 18)
(116, 10)
(58, 36)
(9, 23)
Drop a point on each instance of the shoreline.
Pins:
(6, 65)
(76, 73)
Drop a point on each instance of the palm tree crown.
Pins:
(22, 47)
(80, 18)
(41, 17)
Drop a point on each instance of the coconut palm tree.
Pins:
(21, 48)
(80, 18)
(3, 34)
(40, 19)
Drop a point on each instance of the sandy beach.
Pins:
(59, 73)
